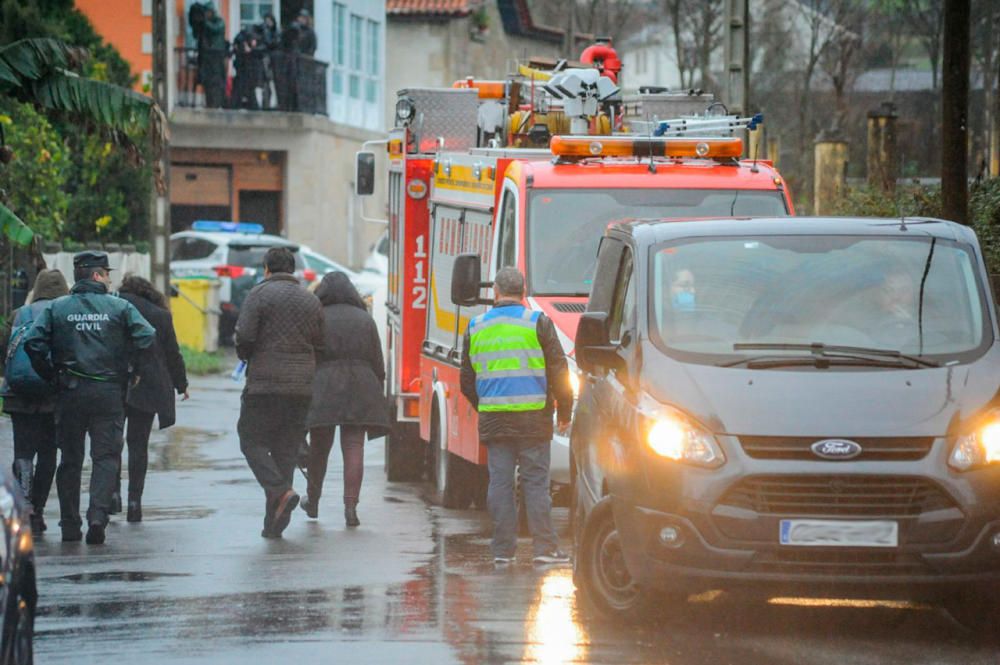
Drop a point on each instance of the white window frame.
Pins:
(362, 48)
(237, 7)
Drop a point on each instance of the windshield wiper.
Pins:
(819, 362)
(821, 350)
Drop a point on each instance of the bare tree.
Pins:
(841, 58)
(926, 20)
(697, 28)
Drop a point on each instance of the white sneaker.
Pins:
(503, 560)
(555, 556)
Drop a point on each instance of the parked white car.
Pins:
(234, 253)
(378, 259)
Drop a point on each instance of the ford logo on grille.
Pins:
(836, 449)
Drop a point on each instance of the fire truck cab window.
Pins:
(565, 226)
(507, 252)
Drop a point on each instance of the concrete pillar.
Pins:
(774, 150)
(829, 179)
(883, 158)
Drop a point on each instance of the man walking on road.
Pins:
(279, 333)
(513, 370)
(86, 342)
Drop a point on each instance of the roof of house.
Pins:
(429, 8)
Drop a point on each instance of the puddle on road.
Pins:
(175, 513)
(119, 576)
(177, 448)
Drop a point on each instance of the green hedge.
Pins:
(925, 201)
(200, 363)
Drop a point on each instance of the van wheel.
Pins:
(604, 581)
(450, 473)
(977, 610)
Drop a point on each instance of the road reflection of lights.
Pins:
(553, 634)
(849, 602)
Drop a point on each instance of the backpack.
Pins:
(19, 375)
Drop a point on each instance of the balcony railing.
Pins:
(258, 81)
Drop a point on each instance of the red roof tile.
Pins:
(428, 7)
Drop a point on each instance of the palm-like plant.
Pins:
(39, 71)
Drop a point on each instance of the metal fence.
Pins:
(258, 80)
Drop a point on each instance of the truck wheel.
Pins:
(403, 451)
(602, 578)
(449, 472)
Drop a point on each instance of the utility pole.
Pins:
(736, 87)
(159, 217)
(955, 111)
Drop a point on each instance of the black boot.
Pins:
(38, 525)
(116, 503)
(134, 510)
(24, 472)
(310, 505)
(351, 513)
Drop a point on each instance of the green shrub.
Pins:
(925, 201)
(200, 363)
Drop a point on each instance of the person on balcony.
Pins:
(307, 37)
(212, 51)
(249, 61)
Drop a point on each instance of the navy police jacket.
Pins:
(89, 333)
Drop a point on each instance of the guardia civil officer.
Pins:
(514, 372)
(85, 342)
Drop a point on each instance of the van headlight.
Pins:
(574, 382)
(673, 435)
(979, 447)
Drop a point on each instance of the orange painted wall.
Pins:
(121, 23)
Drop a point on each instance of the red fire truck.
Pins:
(493, 168)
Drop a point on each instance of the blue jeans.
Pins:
(533, 465)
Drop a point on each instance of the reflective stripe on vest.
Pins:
(508, 359)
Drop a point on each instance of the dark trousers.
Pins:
(94, 408)
(532, 465)
(352, 447)
(271, 429)
(138, 426)
(35, 437)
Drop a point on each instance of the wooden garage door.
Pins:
(200, 185)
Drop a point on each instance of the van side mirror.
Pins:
(593, 349)
(466, 281)
(364, 173)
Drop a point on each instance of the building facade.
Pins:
(285, 159)
(436, 42)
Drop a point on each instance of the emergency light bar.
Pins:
(634, 146)
(227, 227)
(487, 89)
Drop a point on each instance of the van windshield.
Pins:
(918, 296)
(566, 225)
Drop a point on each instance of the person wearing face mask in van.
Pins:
(682, 291)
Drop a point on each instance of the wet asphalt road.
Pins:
(195, 583)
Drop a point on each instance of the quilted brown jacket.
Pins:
(279, 333)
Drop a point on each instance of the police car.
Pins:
(234, 253)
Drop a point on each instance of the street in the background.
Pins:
(195, 583)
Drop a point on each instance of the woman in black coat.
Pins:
(161, 372)
(32, 416)
(347, 392)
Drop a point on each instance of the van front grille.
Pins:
(887, 448)
(838, 495)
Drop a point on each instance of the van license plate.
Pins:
(839, 533)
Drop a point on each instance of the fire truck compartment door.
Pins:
(454, 231)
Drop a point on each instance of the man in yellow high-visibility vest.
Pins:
(514, 372)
